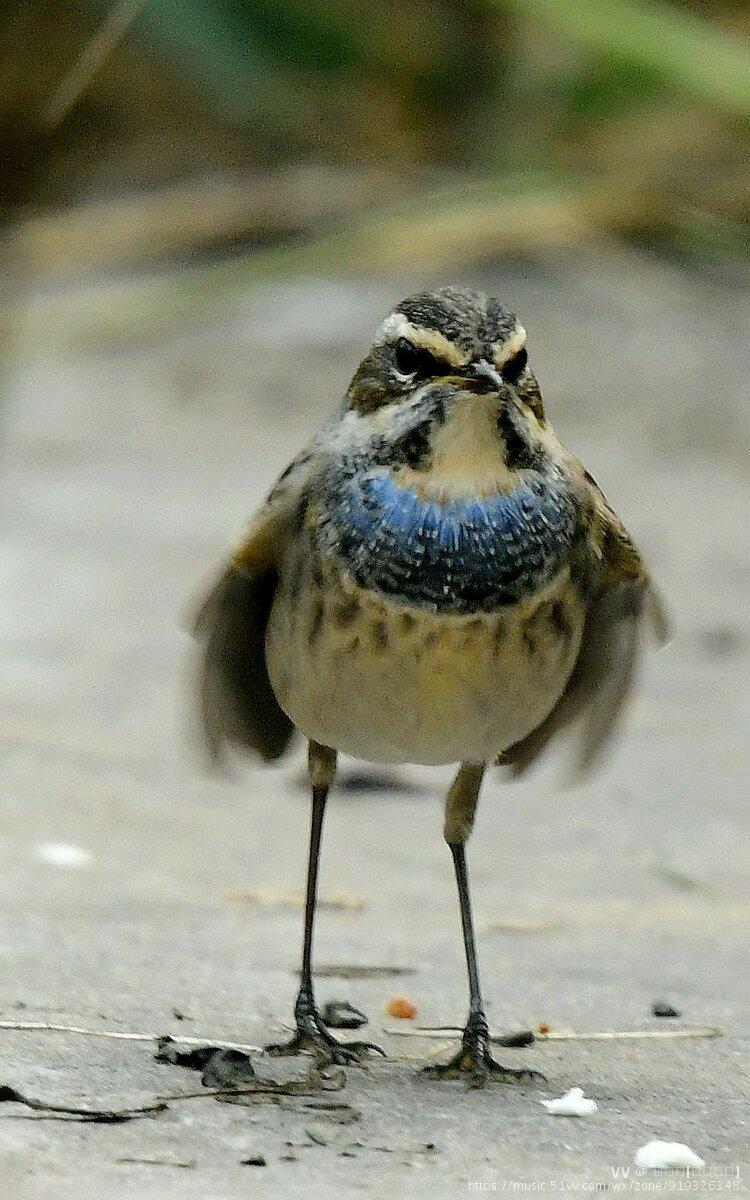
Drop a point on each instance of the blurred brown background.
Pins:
(438, 132)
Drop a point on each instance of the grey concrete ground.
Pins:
(127, 474)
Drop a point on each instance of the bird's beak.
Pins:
(485, 372)
(478, 379)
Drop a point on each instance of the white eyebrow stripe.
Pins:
(502, 351)
(397, 325)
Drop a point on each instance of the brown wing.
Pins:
(237, 705)
(236, 701)
(622, 607)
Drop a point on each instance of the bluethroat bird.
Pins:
(434, 579)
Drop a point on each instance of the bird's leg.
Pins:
(474, 1058)
(311, 1034)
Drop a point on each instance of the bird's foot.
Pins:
(475, 1063)
(311, 1036)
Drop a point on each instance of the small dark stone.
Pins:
(662, 1008)
(193, 1057)
(228, 1068)
(255, 1160)
(340, 1014)
(524, 1037)
(219, 1067)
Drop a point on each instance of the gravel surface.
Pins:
(128, 472)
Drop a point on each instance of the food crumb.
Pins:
(661, 1156)
(401, 1006)
(63, 854)
(543, 1028)
(572, 1104)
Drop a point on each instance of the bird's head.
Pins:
(452, 336)
(448, 375)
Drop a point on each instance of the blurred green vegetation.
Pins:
(326, 133)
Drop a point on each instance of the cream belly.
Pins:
(389, 684)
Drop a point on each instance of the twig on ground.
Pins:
(309, 1087)
(102, 1115)
(624, 1035)
(565, 1035)
(434, 1053)
(120, 1035)
(523, 1037)
(185, 1163)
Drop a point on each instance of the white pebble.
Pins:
(63, 854)
(659, 1156)
(572, 1104)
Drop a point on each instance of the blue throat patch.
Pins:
(460, 556)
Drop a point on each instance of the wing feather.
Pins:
(236, 702)
(622, 608)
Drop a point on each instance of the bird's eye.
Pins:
(412, 360)
(513, 369)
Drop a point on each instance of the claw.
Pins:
(475, 1062)
(326, 1049)
(312, 1037)
(344, 1053)
(480, 1067)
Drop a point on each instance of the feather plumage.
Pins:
(623, 608)
(237, 704)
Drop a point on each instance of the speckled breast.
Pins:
(374, 657)
(458, 555)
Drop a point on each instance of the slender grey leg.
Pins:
(467, 924)
(474, 1058)
(319, 798)
(311, 1034)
